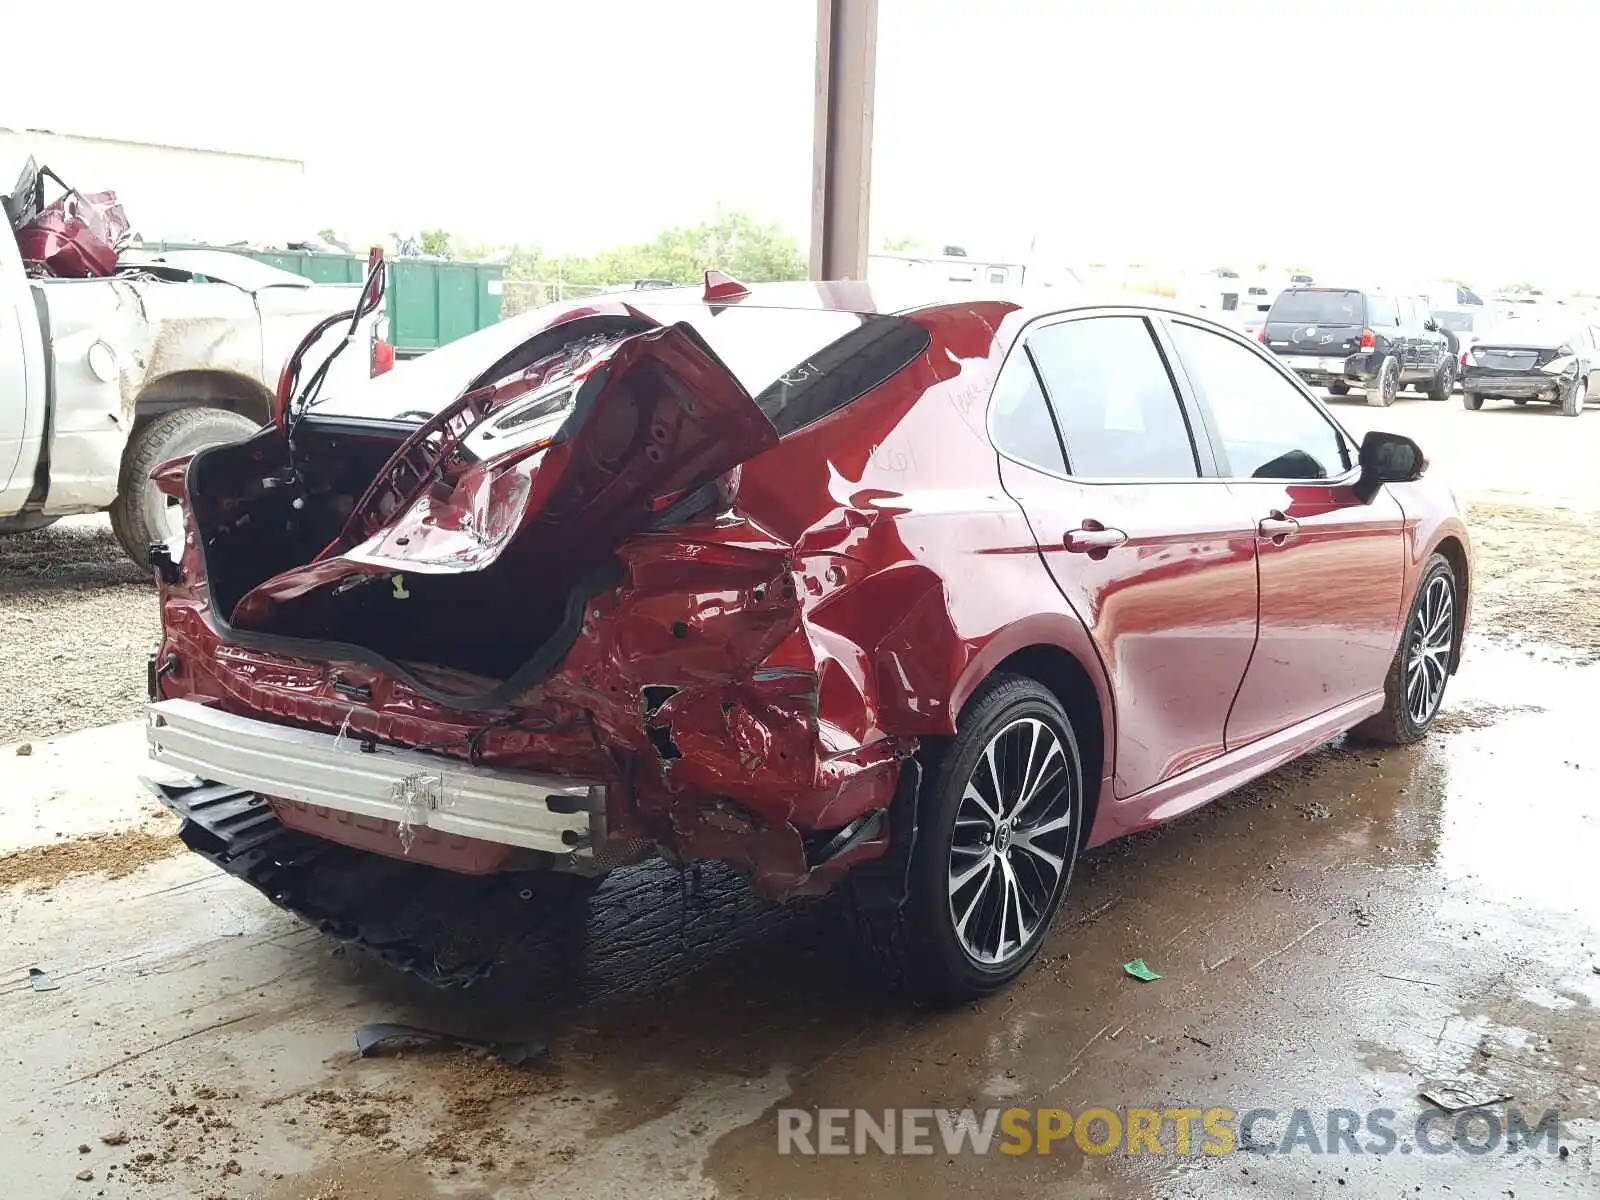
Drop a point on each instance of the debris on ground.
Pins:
(373, 1037)
(25, 749)
(1140, 971)
(86, 1175)
(41, 982)
(1314, 811)
(113, 855)
(117, 1137)
(1462, 1095)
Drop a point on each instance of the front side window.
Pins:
(1268, 429)
(1114, 400)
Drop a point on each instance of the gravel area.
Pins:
(1538, 573)
(77, 620)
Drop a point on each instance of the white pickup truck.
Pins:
(103, 379)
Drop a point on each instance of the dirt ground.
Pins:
(77, 620)
(1345, 933)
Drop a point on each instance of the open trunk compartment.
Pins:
(472, 544)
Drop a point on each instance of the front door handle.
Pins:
(1277, 527)
(1092, 536)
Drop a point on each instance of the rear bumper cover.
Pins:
(1317, 369)
(1533, 385)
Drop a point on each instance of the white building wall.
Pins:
(174, 193)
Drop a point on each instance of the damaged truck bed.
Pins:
(565, 595)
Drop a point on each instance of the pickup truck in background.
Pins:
(102, 379)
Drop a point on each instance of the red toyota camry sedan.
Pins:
(919, 597)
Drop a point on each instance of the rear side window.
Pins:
(1020, 419)
(1320, 306)
(1382, 310)
(1455, 322)
(1114, 400)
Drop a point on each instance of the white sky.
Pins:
(1174, 133)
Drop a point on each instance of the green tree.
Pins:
(435, 242)
(901, 244)
(751, 250)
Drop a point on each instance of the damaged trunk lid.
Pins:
(475, 545)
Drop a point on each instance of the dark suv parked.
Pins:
(1344, 337)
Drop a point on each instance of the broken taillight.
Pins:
(382, 354)
(1369, 340)
(1261, 335)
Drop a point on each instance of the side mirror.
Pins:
(1387, 458)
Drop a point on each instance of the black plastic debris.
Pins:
(379, 1034)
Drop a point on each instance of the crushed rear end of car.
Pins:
(536, 635)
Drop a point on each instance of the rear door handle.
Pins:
(1277, 527)
(1092, 536)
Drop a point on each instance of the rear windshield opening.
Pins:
(798, 364)
(1455, 322)
(1320, 306)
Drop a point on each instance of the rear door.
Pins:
(1409, 335)
(1332, 566)
(13, 393)
(1159, 564)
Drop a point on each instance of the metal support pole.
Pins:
(841, 163)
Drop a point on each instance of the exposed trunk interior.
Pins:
(472, 542)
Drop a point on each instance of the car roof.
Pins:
(903, 297)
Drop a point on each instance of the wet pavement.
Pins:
(1340, 935)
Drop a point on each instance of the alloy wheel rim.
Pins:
(1433, 636)
(1009, 848)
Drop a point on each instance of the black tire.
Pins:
(918, 943)
(1443, 384)
(1577, 396)
(1385, 385)
(1338, 389)
(1520, 402)
(1472, 402)
(1397, 724)
(138, 513)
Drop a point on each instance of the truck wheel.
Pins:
(1572, 403)
(1338, 389)
(997, 836)
(139, 515)
(1472, 402)
(1444, 381)
(1383, 387)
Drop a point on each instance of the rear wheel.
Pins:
(1472, 402)
(1444, 381)
(140, 514)
(997, 837)
(1386, 385)
(1520, 402)
(1572, 403)
(1339, 389)
(1414, 687)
